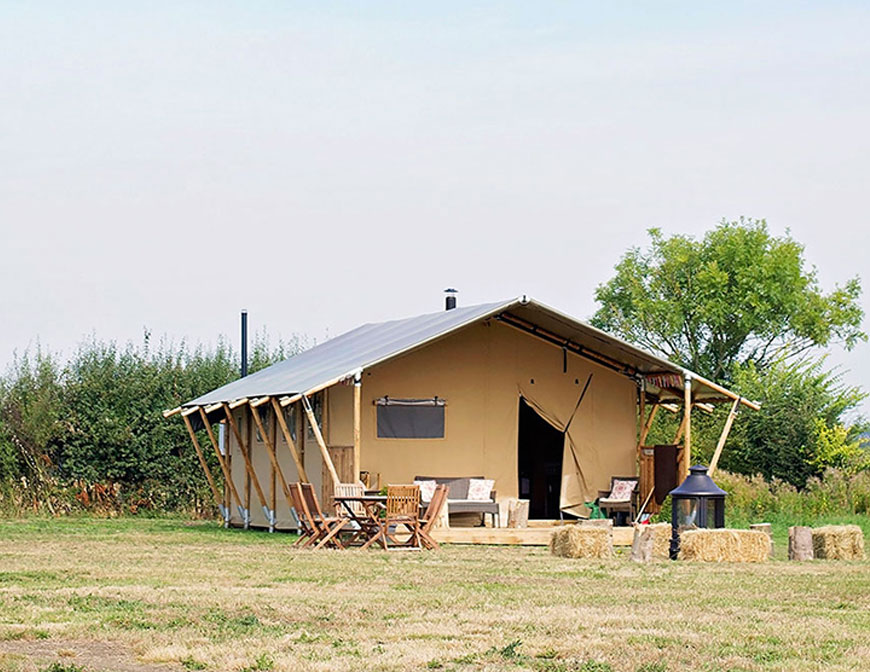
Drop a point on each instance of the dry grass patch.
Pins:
(199, 597)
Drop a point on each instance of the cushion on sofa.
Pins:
(480, 489)
(427, 489)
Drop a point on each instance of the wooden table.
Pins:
(369, 519)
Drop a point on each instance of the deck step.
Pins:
(503, 536)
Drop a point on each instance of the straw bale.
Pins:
(576, 541)
(661, 532)
(606, 523)
(724, 545)
(838, 542)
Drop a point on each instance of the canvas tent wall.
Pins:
(481, 372)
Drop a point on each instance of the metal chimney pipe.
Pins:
(244, 342)
(450, 298)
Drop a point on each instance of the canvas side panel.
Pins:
(452, 369)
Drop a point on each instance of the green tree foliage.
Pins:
(741, 307)
(799, 431)
(97, 419)
(738, 296)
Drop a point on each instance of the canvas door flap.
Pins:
(544, 413)
(573, 492)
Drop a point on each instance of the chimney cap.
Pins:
(451, 290)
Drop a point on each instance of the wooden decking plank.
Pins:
(530, 536)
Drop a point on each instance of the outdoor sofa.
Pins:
(457, 497)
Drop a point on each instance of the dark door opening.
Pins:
(539, 450)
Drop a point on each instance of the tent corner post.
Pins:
(357, 421)
(686, 457)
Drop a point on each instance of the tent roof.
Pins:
(346, 355)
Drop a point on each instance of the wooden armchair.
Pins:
(433, 511)
(327, 527)
(308, 531)
(621, 498)
(403, 508)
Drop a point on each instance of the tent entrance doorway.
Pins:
(539, 452)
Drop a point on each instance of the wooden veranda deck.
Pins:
(537, 534)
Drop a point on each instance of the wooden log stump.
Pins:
(443, 519)
(518, 513)
(800, 543)
(768, 530)
(642, 545)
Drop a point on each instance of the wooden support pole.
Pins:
(721, 390)
(687, 443)
(238, 402)
(645, 431)
(255, 414)
(682, 428)
(170, 413)
(724, 437)
(292, 399)
(228, 477)
(641, 415)
(288, 438)
(217, 495)
(357, 420)
(327, 460)
(273, 504)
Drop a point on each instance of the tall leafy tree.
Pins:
(737, 296)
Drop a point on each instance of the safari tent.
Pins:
(548, 406)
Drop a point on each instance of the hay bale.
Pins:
(767, 528)
(606, 523)
(576, 541)
(724, 546)
(838, 542)
(661, 533)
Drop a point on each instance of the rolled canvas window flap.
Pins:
(390, 401)
(410, 418)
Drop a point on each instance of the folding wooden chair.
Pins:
(433, 511)
(403, 508)
(359, 524)
(328, 527)
(308, 530)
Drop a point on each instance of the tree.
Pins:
(798, 433)
(738, 296)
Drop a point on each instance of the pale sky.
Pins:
(165, 164)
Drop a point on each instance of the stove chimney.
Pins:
(450, 298)
(244, 370)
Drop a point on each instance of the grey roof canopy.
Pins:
(344, 356)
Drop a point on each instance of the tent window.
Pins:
(265, 418)
(410, 418)
(290, 420)
(317, 407)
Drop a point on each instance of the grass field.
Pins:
(141, 595)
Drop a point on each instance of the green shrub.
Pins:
(753, 499)
(88, 434)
